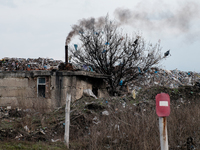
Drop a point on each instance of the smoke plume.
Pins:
(160, 16)
(90, 24)
(156, 17)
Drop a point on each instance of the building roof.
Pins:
(37, 73)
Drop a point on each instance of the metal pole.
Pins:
(163, 133)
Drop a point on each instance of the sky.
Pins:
(38, 28)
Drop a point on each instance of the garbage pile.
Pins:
(13, 64)
(168, 78)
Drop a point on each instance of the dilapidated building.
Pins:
(47, 88)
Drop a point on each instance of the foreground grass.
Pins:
(15, 145)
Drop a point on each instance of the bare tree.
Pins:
(109, 51)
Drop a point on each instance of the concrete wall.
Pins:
(20, 89)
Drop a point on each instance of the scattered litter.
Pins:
(105, 113)
(75, 46)
(104, 51)
(117, 127)
(95, 120)
(124, 104)
(121, 83)
(52, 140)
(88, 92)
(134, 94)
(26, 129)
(18, 136)
(42, 131)
(8, 107)
(115, 141)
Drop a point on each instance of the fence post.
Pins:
(163, 133)
(67, 120)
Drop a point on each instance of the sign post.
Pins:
(163, 110)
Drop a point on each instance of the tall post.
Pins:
(67, 119)
(163, 133)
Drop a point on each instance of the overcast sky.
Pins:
(38, 28)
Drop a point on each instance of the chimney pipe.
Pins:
(66, 54)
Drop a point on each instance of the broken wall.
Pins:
(15, 90)
(20, 89)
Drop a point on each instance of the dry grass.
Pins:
(136, 127)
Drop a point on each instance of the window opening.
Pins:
(41, 85)
(95, 91)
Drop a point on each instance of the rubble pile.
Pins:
(152, 77)
(168, 78)
(13, 64)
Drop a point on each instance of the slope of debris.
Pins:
(164, 78)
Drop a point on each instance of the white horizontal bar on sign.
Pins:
(163, 103)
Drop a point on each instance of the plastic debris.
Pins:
(42, 132)
(26, 129)
(117, 127)
(106, 43)
(91, 69)
(134, 94)
(121, 83)
(85, 67)
(19, 136)
(166, 53)
(105, 113)
(52, 140)
(88, 92)
(75, 46)
(70, 57)
(139, 70)
(95, 120)
(104, 51)
(136, 41)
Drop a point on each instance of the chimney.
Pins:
(66, 54)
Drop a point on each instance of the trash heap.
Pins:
(13, 64)
(168, 78)
(152, 77)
